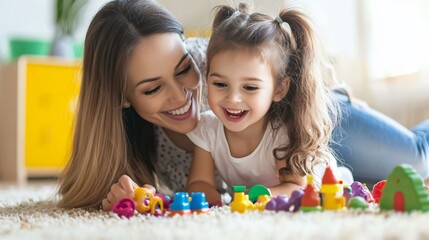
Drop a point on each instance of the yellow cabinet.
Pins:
(38, 107)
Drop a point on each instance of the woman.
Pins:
(140, 94)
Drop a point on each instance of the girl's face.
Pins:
(163, 82)
(241, 89)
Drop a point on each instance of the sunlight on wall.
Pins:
(396, 38)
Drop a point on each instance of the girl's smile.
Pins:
(235, 115)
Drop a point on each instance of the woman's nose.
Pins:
(177, 93)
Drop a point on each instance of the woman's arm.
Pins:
(202, 176)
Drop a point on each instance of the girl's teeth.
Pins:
(235, 111)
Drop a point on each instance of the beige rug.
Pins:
(30, 213)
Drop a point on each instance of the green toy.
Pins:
(258, 190)
(357, 203)
(404, 191)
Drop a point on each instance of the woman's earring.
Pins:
(126, 104)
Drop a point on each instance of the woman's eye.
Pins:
(184, 71)
(220, 84)
(250, 88)
(152, 91)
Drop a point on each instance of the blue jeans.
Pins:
(371, 144)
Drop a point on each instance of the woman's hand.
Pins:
(124, 188)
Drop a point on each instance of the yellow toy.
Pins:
(331, 192)
(146, 201)
(240, 202)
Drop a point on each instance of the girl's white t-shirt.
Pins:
(257, 168)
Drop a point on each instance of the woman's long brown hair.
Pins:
(110, 141)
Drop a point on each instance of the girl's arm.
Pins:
(289, 184)
(202, 176)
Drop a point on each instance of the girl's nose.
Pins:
(234, 96)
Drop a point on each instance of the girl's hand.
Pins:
(124, 188)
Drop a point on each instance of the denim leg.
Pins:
(372, 144)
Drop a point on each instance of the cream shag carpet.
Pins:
(30, 213)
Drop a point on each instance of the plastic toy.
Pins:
(282, 203)
(377, 190)
(404, 191)
(180, 204)
(146, 202)
(256, 191)
(277, 203)
(166, 200)
(347, 193)
(357, 202)
(198, 203)
(330, 189)
(310, 201)
(359, 189)
(294, 202)
(240, 202)
(261, 202)
(125, 207)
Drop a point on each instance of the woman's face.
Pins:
(164, 82)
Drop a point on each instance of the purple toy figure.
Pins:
(360, 190)
(282, 203)
(277, 203)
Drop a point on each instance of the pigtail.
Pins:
(221, 14)
(310, 113)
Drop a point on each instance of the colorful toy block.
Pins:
(310, 200)
(240, 202)
(198, 203)
(404, 191)
(330, 189)
(180, 204)
(258, 190)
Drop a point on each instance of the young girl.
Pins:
(274, 114)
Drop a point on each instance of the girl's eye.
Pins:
(250, 88)
(220, 84)
(152, 91)
(184, 71)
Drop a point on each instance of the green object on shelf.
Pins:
(78, 50)
(28, 46)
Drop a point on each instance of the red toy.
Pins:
(310, 200)
(377, 190)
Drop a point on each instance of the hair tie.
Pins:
(279, 20)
